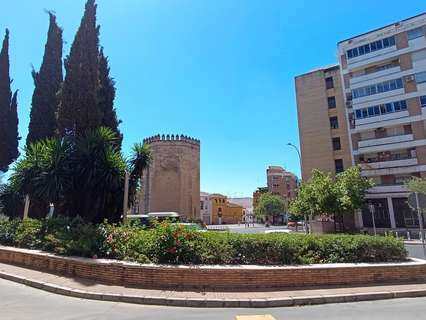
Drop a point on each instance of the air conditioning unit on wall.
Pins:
(410, 78)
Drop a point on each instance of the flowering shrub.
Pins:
(169, 243)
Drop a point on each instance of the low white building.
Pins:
(205, 208)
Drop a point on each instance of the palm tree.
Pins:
(99, 170)
(140, 160)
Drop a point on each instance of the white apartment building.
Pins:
(384, 87)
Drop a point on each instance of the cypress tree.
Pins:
(106, 97)
(8, 111)
(78, 110)
(47, 84)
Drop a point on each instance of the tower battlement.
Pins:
(171, 137)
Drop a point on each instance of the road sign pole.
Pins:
(419, 214)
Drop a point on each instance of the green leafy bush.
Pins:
(169, 243)
(8, 231)
(28, 234)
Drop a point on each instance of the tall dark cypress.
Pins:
(47, 84)
(106, 97)
(78, 108)
(8, 111)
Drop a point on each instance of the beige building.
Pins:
(380, 90)
(172, 181)
(281, 182)
(323, 132)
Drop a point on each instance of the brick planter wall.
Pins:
(226, 278)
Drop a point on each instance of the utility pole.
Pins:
(372, 210)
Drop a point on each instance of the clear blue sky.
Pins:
(219, 70)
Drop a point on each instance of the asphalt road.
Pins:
(20, 302)
(415, 250)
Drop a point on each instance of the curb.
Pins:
(213, 303)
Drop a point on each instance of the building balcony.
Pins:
(373, 57)
(373, 77)
(389, 164)
(385, 144)
(406, 167)
(385, 140)
(388, 189)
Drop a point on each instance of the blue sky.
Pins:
(218, 70)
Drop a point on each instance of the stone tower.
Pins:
(172, 181)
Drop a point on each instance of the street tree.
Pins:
(47, 83)
(270, 206)
(417, 184)
(324, 195)
(9, 136)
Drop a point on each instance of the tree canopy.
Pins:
(324, 195)
(47, 83)
(78, 109)
(270, 205)
(83, 176)
(9, 136)
(416, 184)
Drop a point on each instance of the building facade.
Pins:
(225, 212)
(379, 116)
(172, 181)
(257, 194)
(281, 182)
(323, 132)
(384, 85)
(205, 208)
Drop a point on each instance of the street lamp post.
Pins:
(301, 179)
(298, 152)
(372, 209)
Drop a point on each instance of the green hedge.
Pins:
(176, 244)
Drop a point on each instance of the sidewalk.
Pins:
(89, 290)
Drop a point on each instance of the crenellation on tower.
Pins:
(171, 137)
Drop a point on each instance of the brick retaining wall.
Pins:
(226, 278)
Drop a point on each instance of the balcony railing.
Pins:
(388, 139)
(391, 157)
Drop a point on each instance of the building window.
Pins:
(423, 101)
(336, 144)
(415, 33)
(338, 164)
(378, 88)
(329, 83)
(421, 77)
(334, 123)
(371, 47)
(381, 109)
(331, 101)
